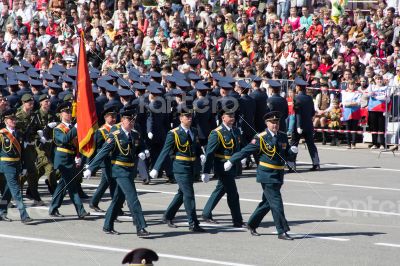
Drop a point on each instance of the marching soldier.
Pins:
(203, 118)
(183, 143)
(110, 118)
(10, 165)
(157, 127)
(124, 147)
(222, 143)
(64, 137)
(274, 151)
(246, 117)
(304, 109)
(44, 147)
(27, 124)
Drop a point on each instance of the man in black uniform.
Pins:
(246, 117)
(304, 109)
(261, 103)
(277, 103)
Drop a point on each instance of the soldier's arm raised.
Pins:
(249, 149)
(107, 147)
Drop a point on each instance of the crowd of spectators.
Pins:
(329, 45)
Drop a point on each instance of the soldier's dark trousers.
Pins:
(271, 200)
(66, 183)
(125, 189)
(12, 190)
(104, 184)
(29, 157)
(185, 195)
(226, 184)
(312, 149)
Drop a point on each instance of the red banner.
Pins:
(86, 117)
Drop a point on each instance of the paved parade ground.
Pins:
(346, 214)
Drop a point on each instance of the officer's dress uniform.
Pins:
(274, 150)
(158, 125)
(304, 109)
(122, 147)
(279, 104)
(10, 167)
(222, 143)
(64, 160)
(184, 146)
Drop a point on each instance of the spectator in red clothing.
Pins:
(52, 27)
(315, 30)
(326, 64)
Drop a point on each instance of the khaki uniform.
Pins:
(28, 125)
(45, 151)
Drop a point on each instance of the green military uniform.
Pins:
(185, 149)
(65, 139)
(10, 167)
(100, 137)
(222, 143)
(27, 124)
(122, 148)
(273, 151)
(45, 147)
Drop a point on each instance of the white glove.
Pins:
(299, 130)
(86, 166)
(43, 140)
(147, 153)
(153, 173)
(40, 133)
(294, 149)
(228, 165)
(205, 178)
(142, 156)
(87, 174)
(202, 159)
(23, 172)
(150, 135)
(243, 161)
(52, 124)
(78, 160)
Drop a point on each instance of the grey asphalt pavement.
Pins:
(346, 214)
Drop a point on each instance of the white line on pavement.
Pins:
(388, 245)
(73, 244)
(367, 187)
(303, 181)
(299, 235)
(354, 166)
(287, 203)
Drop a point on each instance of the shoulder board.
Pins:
(116, 132)
(218, 128)
(262, 134)
(134, 130)
(175, 129)
(284, 133)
